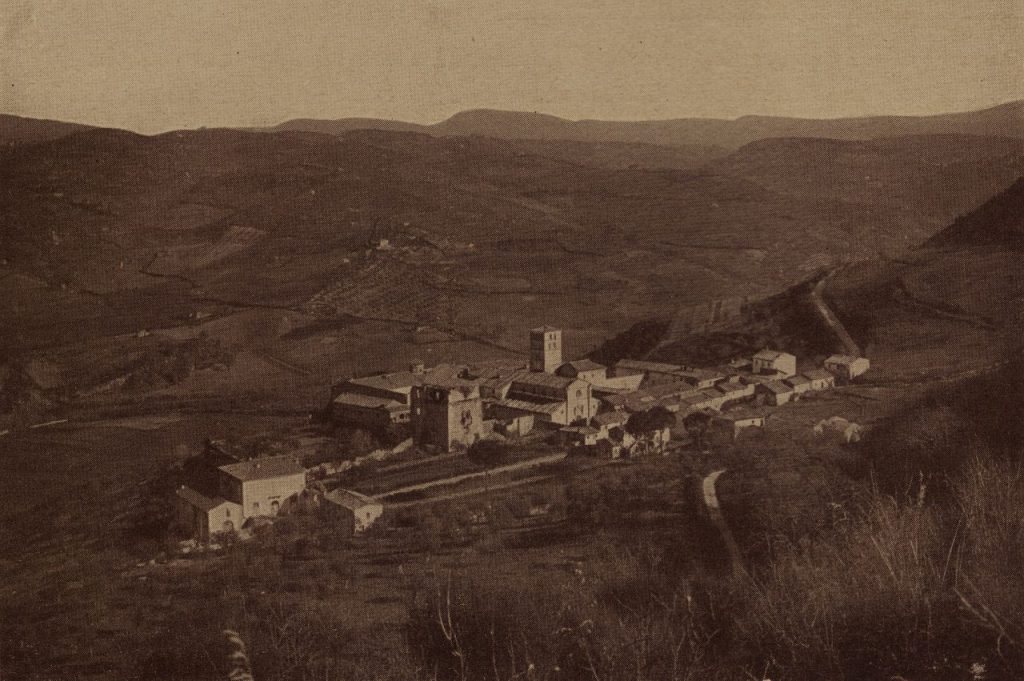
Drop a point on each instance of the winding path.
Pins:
(831, 319)
(715, 511)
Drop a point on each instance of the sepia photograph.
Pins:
(543, 340)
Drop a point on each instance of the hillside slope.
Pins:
(999, 221)
(20, 130)
(285, 220)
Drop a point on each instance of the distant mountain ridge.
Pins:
(1004, 120)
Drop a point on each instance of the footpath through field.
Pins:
(715, 511)
(499, 470)
(830, 317)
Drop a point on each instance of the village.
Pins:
(547, 407)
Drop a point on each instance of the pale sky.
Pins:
(152, 65)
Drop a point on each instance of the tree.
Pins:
(697, 425)
(648, 425)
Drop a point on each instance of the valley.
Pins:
(165, 291)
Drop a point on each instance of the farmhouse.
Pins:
(774, 362)
(735, 390)
(205, 516)
(847, 367)
(260, 486)
(700, 378)
(820, 379)
(776, 393)
(358, 509)
(736, 421)
(369, 412)
(222, 492)
(799, 383)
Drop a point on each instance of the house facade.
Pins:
(260, 486)
(358, 509)
(447, 414)
(205, 516)
(223, 493)
(781, 364)
(847, 367)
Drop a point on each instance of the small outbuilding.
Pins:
(781, 364)
(847, 367)
(776, 393)
(358, 508)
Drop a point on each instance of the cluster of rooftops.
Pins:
(584, 387)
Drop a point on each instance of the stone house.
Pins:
(224, 493)
(781, 364)
(262, 485)
(362, 511)
(447, 414)
(799, 383)
(373, 413)
(205, 516)
(847, 367)
(776, 393)
(820, 379)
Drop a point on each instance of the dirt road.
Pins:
(831, 319)
(529, 463)
(715, 512)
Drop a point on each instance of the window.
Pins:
(227, 512)
(255, 507)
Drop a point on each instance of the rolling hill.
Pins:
(117, 249)
(19, 130)
(1006, 120)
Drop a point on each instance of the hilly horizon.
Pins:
(701, 133)
(1006, 120)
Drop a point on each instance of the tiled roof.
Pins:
(353, 501)
(198, 500)
(535, 407)
(841, 359)
(583, 365)
(582, 430)
(538, 378)
(641, 365)
(729, 387)
(777, 387)
(611, 418)
(399, 380)
(770, 355)
(700, 374)
(797, 380)
(818, 375)
(367, 402)
(266, 467)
